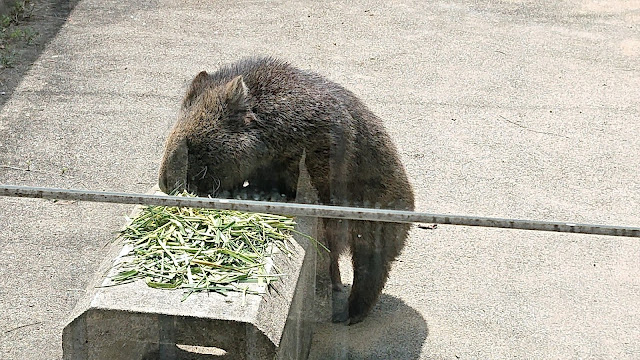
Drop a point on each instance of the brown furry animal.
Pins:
(243, 130)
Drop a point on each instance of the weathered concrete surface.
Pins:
(133, 321)
(504, 108)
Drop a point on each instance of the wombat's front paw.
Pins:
(343, 317)
(340, 307)
(357, 312)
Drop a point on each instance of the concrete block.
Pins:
(133, 321)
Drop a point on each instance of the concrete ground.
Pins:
(523, 109)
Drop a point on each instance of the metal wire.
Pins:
(322, 211)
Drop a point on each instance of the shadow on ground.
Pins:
(392, 331)
(47, 18)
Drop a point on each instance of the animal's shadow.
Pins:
(393, 330)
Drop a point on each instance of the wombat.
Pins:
(246, 127)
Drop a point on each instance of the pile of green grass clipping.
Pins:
(203, 249)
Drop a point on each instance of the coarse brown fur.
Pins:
(243, 130)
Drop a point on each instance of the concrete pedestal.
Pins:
(134, 321)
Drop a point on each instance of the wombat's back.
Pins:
(301, 110)
(275, 83)
(302, 105)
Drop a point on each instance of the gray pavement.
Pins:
(525, 109)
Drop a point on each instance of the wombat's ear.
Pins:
(197, 86)
(236, 94)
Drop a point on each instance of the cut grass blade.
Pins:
(203, 249)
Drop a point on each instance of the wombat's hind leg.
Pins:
(369, 276)
(374, 246)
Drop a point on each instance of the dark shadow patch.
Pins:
(393, 330)
(47, 18)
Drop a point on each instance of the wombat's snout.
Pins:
(162, 183)
(173, 170)
(170, 184)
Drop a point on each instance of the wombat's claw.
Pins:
(355, 320)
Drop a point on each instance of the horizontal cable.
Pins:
(312, 210)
